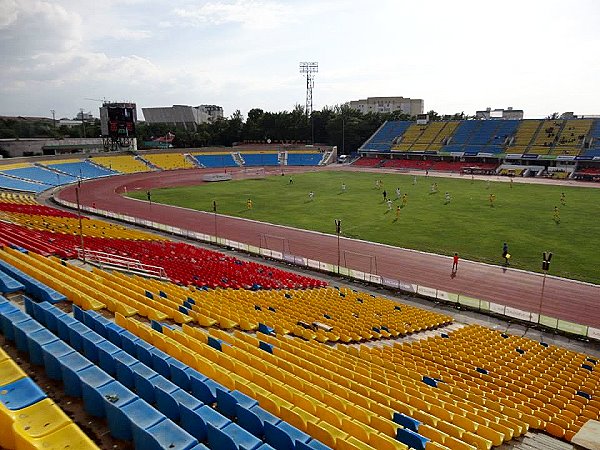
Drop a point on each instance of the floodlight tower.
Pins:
(309, 69)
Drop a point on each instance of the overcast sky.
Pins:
(538, 55)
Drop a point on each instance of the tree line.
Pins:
(341, 126)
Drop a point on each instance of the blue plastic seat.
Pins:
(52, 353)
(179, 374)
(35, 341)
(226, 402)
(92, 379)
(41, 313)
(253, 419)
(70, 365)
(106, 351)
(113, 333)
(58, 322)
(141, 416)
(124, 368)
(411, 438)
(90, 345)
(171, 403)
(129, 342)
(311, 445)
(115, 397)
(162, 389)
(144, 352)
(76, 332)
(143, 378)
(231, 437)
(203, 388)
(284, 436)
(22, 330)
(165, 435)
(20, 394)
(78, 313)
(161, 362)
(9, 317)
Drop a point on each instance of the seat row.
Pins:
(138, 392)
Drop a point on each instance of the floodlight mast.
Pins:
(309, 69)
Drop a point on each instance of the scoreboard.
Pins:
(117, 120)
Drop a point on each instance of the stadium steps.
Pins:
(148, 163)
(237, 157)
(535, 136)
(192, 160)
(535, 441)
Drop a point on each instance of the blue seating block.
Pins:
(91, 340)
(141, 416)
(9, 318)
(143, 377)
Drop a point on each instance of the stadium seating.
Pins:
(80, 169)
(262, 159)
(214, 160)
(304, 158)
(169, 161)
(16, 184)
(524, 135)
(422, 138)
(28, 418)
(366, 161)
(383, 138)
(123, 164)
(40, 175)
(570, 140)
(594, 147)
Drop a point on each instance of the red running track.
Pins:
(564, 299)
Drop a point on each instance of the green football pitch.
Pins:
(522, 215)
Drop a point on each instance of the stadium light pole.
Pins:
(309, 69)
(546, 258)
(338, 230)
(215, 214)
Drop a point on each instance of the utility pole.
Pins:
(53, 118)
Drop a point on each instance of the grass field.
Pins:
(522, 216)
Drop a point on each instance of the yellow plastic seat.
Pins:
(66, 438)
(10, 371)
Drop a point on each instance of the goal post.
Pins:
(360, 261)
(275, 243)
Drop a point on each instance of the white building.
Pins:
(499, 113)
(412, 106)
(183, 115)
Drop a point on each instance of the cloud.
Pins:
(253, 14)
(8, 12)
